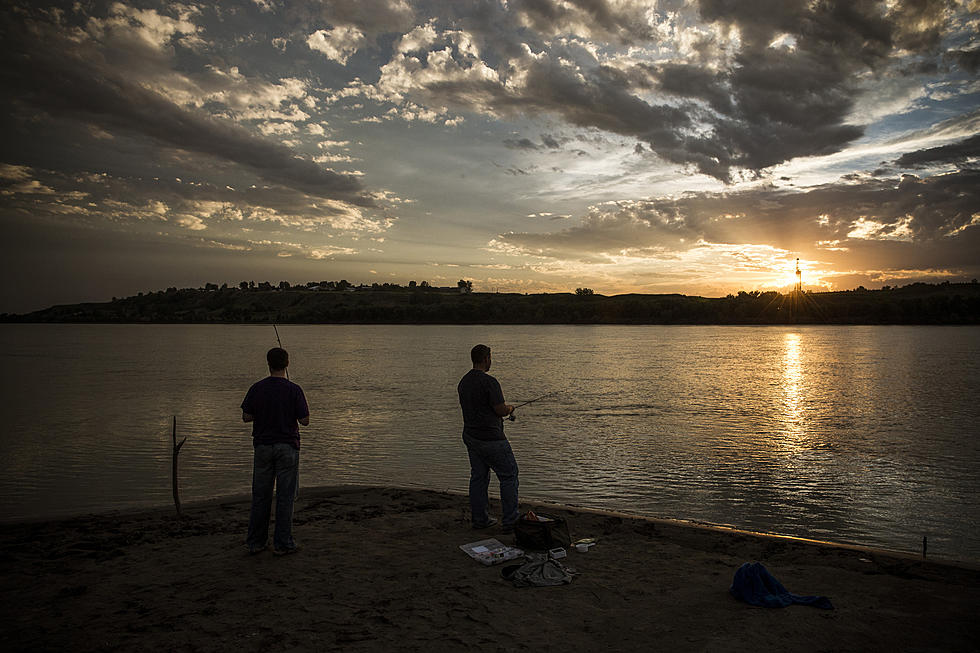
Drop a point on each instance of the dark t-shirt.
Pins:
(276, 404)
(478, 394)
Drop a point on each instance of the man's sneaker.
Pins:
(257, 549)
(507, 529)
(285, 552)
(490, 522)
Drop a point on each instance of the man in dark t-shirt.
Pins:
(276, 407)
(483, 406)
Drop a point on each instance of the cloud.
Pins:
(420, 39)
(338, 44)
(265, 5)
(249, 98)
(935, 221)
(48, 74)
(13, 172)
(32, 187)
(962, 152)
(191, 222)
(286, 249)
(768, 83)
(520, 144)
(550, 141)
(969, 60)
(126, 203)
(370, 16)
(149, 27)
(622, 22)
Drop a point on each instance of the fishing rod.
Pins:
(280, 347)
(511, 416)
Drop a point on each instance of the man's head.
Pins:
(278, 359)
(480, 355)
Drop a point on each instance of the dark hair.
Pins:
(479, 354)
(278, 358)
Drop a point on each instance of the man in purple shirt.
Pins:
(276, 407)
(483, 406)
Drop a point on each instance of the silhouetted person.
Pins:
(276, 407)
(482, 402)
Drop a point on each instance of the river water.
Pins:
(868, 435)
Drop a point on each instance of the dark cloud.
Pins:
(595, 101)
(959, 153)
(372, 18)
(757, 21)
(520, 144)
(777, 103)
(919, 25)
(623, 23)
(693, 81)
(46, 74)
(550, 142)
(767, 104)
(967, 59)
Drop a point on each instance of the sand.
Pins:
(380, 570)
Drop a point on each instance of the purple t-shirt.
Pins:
(478, 394)
(276, 404)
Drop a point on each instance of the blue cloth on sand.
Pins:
(756, 586)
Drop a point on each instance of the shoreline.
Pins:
(164, 511)
(380, 569)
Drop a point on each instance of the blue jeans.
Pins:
(498, 456)
(273, 464)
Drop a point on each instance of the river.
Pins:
(866, 435)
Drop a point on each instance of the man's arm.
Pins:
(246, 417)
(302, 408)
(503, 410)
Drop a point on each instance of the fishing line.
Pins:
(280, 347)
(512, 418)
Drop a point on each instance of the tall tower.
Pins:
(799, 278)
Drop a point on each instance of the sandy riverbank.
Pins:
(380, 569)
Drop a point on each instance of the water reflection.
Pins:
(793, 429)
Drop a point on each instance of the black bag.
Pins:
(538, 535)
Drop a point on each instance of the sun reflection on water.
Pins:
(792, 384)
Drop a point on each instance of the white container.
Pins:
(582, 547)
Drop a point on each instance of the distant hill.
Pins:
(913, 304)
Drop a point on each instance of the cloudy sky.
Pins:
(527, 145)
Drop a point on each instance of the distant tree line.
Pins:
(462, 285)
(341, 302)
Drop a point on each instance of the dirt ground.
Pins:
(380, 569)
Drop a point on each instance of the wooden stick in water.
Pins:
(176, 451)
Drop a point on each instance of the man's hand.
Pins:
(503, 410)
(246, 417)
